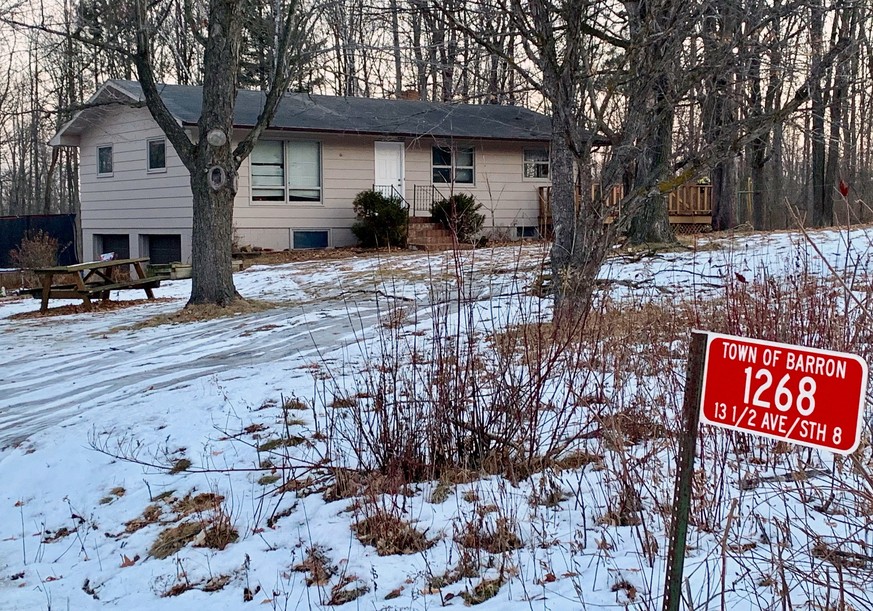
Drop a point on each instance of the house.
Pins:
(297, 187)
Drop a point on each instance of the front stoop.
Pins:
(426, 235)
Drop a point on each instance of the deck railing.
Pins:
(690, 203)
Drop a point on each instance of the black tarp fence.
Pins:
(62, 227)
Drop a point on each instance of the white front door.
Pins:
(389, 168)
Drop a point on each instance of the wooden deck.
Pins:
(689, 206)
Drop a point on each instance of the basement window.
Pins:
(527, 232)
(311, 239)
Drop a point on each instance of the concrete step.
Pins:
(424, 226)
(433, 239)
(429, 233)
(419, 220)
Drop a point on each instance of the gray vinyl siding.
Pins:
(132, 200)
(348, 165)
(140, 203)
(508, 200)
(347, 168)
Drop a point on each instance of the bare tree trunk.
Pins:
(420, 60)
(650, 117)
(395, 37)
(838, 101)
(720, 113)
(816, 213)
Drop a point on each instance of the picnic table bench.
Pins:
(93, 279)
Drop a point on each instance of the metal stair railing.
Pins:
(391, 192)
(425, 196)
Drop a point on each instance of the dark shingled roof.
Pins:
(322, 113)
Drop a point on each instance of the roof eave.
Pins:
(322, 130)
(62, 138)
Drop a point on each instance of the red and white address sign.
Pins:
(792, 393)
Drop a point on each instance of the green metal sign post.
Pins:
(685, 471)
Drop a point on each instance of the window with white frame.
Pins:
(536, 163)
(451, 164)
(156, 152)
(286, 171)
(104, 160)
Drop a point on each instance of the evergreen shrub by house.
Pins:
(381, 221)
(460, 215)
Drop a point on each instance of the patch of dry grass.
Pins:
(281, 442)
(189, 504)
(150, 515)
(341, 594)
(174, 538)
(98, 306)
(180, 465)
(494, 539)
(200, 313)
(390, 534)
(484, 590)
(318, 565)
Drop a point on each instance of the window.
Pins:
(536, 163)
(286, 171)
(453, 165)
(104, 160)
(527, 232)
(268, 174)
(157, 155)
(311, 239)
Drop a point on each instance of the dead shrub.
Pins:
(37, 249)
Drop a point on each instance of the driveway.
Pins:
(55, 368)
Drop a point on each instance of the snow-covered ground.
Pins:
(211, 391)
